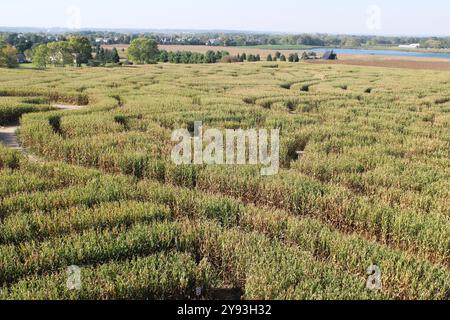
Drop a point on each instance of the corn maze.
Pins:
(364, 181)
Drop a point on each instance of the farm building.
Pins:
(410, 46)
(329, 55)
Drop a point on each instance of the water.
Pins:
(392, 53)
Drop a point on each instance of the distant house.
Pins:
(329, 55)
(102, 40)
(213, 42)
(410, 46)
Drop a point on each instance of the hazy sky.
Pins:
(398, 17)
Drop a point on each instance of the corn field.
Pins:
(364, 181)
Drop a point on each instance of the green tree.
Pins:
(8, 56)
(164, 56)
(41, 56)
(269, 57)
(218, 55)
(143, 50)
(81, 49)
(283, 58)
(115, 56)
(210, 57)
(101, 56)
(59, 53)
(251, 58)
(186, 57)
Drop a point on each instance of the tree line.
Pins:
(25, 41)
(76, 50)
(8, 55)
(294, 57)
(145, 51)
(104, 56)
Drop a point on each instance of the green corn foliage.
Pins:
(370, 187)
(160, 276)
(92, 247)
(37, 226)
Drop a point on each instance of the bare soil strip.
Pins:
(8, 135)
(9, 138)
(67, 106)
(390, 62)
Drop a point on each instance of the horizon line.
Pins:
(195, 30)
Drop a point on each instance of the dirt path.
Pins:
(9, 138)
(67, 106)
(8, 134)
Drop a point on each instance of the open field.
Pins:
(203, 49)
(372, 186)
(391, 62)
(393, 48)
(347, 59)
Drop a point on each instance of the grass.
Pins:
(371, 186)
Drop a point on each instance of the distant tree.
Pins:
(198, 58)
(40, 56)
(81, 49)
(296, 58)
(101, 56)
(291, 58)
(269, 57)
(244, 57)
(164, 56)
(8, 56)
(251, 58)
(210, 57)
(258, 57)
(143, 50)
(224, 53)
(186, 57)
(218, 55)
(60, 53)
(115, 57)
(283, 58)
(278, 55)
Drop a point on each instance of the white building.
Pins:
(213, 42)
(410, 46)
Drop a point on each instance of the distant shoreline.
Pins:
(303, 47)
(264, 51)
